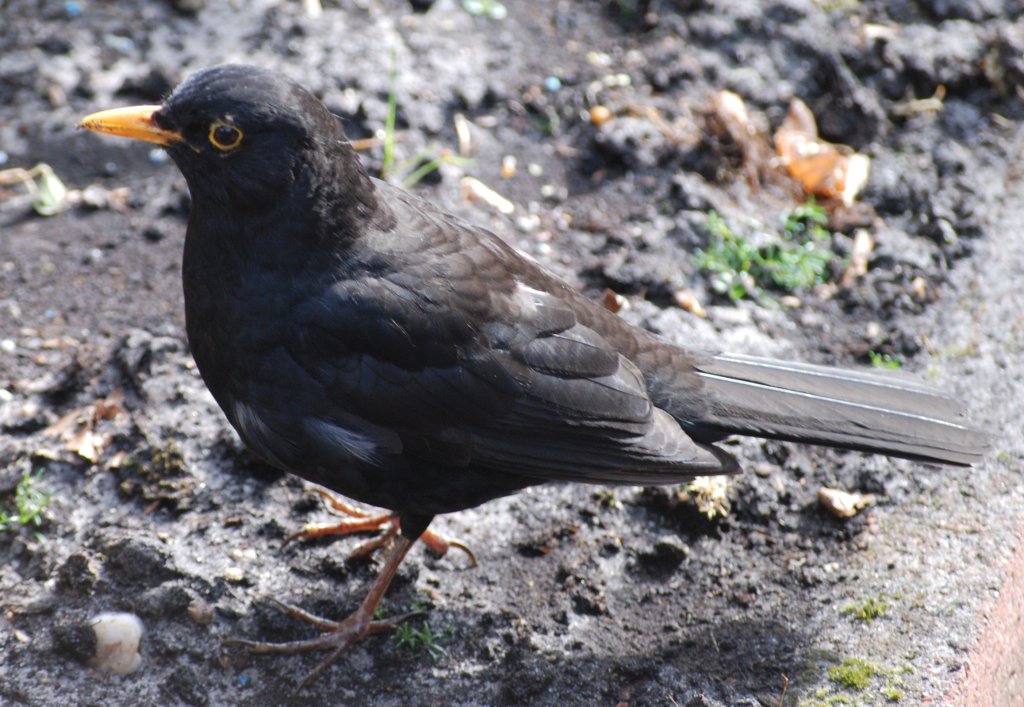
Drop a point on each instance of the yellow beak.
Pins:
(135, 122)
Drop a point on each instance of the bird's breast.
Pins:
(237, 313)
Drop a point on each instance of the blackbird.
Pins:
(359, 337)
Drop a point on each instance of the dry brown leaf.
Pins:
(731, 109)
(737, 139)
(67, 424)
(87, 444)
(821, 168)
(613, 301)
(76, 429)
(47, 453)
(109, 407)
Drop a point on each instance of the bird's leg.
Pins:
(359, 521)
(340, 635)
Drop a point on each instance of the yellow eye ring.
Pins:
(225, 137)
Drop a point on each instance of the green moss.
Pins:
(893, 694)
(867, 611)
(858, 681)
(854, 673)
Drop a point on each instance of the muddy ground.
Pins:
(583, 595)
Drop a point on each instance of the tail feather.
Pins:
(867, 411)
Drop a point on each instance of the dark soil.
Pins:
(583, 595)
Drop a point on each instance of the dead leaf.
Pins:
(736, 137)
(731, 108)
(109, 407)
(77, 429)
(87, 444)
(614, 302)
(821, 168)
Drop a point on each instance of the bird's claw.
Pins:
(338, 636)
(360, 521)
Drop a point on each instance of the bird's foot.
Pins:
(360, 521)
(338, 636)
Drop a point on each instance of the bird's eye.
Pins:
(225, 137)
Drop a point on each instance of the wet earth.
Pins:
(596, 122)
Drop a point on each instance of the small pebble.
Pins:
(488, 8)
(552, 83)
(619, 80)
(528, 223)
(843, 504)
(158, 155)
(599, 115)
(554, 192)
(234, 574)
(919, 287)
(118, 636)
(123, 45)
(508, 166)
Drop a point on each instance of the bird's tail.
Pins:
(864, 410)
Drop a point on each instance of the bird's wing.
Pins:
(471, 367)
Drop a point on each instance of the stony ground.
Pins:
(583, 595)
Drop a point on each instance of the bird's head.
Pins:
(243, 137)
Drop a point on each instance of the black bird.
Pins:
(362, 339)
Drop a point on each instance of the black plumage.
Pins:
(359, 337)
